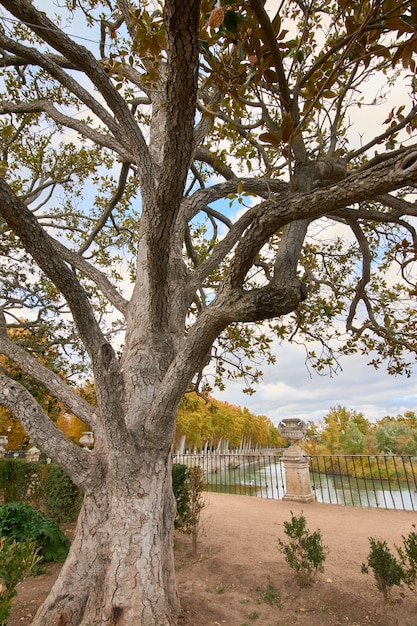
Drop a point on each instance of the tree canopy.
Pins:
(181, 184)
(275, 110)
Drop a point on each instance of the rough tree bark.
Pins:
(124, 537)
(120, 569)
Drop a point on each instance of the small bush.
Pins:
(304, 552)
(61, 498)
(188, 487)
(180, 487)
(18, 479)
(43, 486)
(16, 561)
(19, 522)
(408, 557)
(387, 571)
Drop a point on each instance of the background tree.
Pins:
(208, 421)
(397, 435)
(121, 153)
(344, 430)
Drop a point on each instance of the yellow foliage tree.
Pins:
(213, 421)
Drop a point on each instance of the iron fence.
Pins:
(384, 481)
(247, 474)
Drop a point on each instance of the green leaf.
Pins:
(232, 20)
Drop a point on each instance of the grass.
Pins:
(271, 596)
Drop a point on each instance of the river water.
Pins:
(268, 481)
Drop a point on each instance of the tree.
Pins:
(208, 421)
(395, 436)
(344, 431)
(127, 129)
(352, 440)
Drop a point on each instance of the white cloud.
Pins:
(289, 390)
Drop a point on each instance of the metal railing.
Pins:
(385, 481)
(247, 474)
(357, 480)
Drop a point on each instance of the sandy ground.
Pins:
(240, 577)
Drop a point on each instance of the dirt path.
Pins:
(240, 578)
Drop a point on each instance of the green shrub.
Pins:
(61, 498)
(408, 556)
(180, 487)
(188, 487)
(304, 552)
(16, 561)
(19, 522)
(18, 479)
(388, 572)
(44, 486)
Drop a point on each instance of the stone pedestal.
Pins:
(297, 473)
(32, 455)
(3, 443)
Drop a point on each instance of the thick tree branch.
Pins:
(181, 22)
(290, 246)
(269, 216)
(58, 388)
(159, 217)
(40, 246)
(73, 459)
(277, 211)
(254, 305)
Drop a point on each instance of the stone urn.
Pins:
(292, 429)
(86, 439)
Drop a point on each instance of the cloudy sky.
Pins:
(288, 389)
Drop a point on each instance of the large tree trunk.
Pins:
(120, 569)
